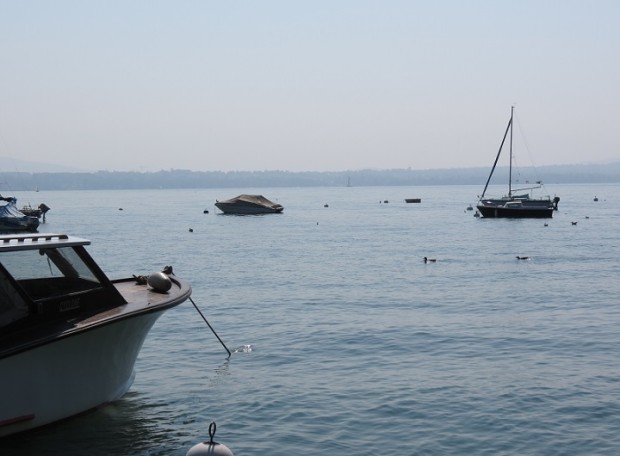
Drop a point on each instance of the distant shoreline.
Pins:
(179, 179)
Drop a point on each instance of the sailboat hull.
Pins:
(516, 209)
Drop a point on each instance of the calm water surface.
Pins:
(357, 346)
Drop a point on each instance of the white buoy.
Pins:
(210, 448)
(159, 282)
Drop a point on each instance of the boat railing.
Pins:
(20, 238)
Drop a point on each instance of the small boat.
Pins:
(514, 205)
(13, 220)
(249, 205)
(69, 336)
(37, 212)
(413, 200)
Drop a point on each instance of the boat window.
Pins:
(45, 273)
(12, 304)
(46, 263)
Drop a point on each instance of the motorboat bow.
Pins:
(69, 336)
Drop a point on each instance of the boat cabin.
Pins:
(50, 277)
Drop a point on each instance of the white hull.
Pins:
(70, 375)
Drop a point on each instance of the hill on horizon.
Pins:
(102, 180)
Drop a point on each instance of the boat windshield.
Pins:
(46, 263)
(50, 272)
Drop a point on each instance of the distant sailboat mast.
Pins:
(508, 128)
(512, 108)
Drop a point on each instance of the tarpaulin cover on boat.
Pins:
(249, 204)
(253, 199)
(9, 210)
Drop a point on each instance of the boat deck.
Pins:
(140, 300)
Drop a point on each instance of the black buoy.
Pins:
(159, 282)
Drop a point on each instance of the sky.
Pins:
(126, 85)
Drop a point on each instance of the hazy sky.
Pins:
(307, 86)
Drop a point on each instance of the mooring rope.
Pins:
(210, 327)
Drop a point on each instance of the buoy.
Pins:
(325, 205)
(159, 282)
(191, 230)
(210, 448)
(205, 211)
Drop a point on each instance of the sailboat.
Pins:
(515, 204)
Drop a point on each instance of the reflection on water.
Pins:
(118, 428)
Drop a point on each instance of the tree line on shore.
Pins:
(177, 178)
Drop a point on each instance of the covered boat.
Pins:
(249, 205)
(69, 336)
(13, 220)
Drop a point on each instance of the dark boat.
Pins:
(13, 220)
(69, 336)
(37, 212)
(249, 205)
(515, 204)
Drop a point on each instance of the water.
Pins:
(350, 344)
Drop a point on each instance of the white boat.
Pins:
(69, 336)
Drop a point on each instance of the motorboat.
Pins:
(69, 335)
(13, 220)
(249, 205)
(37, 212)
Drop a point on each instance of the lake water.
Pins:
(353, 345)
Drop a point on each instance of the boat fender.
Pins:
(159, 282)
(210, 448)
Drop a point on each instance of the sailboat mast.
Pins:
(508, 127)
(512, 108)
